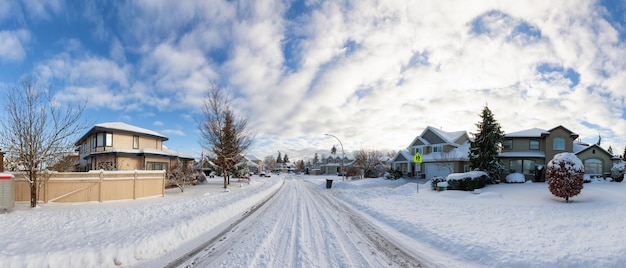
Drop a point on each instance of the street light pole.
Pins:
(342, 155)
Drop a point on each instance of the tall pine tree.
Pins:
(484, 149)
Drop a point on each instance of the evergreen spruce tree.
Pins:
(624, 154)
(279, 159)
(316, 158)
(286, 159)
(484, 149)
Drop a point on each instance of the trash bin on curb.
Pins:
(329, 183)
(7, 195)
(442, 186)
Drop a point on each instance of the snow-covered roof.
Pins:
(122, 127)
(252, 157)
(534, 154)
(449, 137)
(456, 154)
(528, 133)
(403, 153)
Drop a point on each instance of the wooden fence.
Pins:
(95, 185)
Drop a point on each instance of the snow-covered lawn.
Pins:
(506, 225)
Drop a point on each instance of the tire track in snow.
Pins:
(302, 227)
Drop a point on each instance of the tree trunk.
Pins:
(33, 194)
(225, 181)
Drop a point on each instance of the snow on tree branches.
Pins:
(485, 147)
(565, 175)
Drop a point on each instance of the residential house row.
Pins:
(526, 152)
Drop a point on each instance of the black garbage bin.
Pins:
(329, 183)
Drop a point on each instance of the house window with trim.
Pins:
(419, 150)
(593, 166)
(515, 166)
(135, 142)
(103, 139)
(437, 148)
(507, 144)
(534, 145)
(156, 165)
(529, 167)
(558, 144)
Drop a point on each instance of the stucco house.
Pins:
(528, 151)
(442, 153)
(120, 146)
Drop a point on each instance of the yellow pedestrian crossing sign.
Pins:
(417, 158)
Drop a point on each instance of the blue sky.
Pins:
(373, 73)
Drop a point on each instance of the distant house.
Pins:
(442, 153)
(528, 151)
(120, 146)
(257, 161)
(331, 164)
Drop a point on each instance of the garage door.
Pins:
(433, 170)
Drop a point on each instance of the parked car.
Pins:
(263, 174)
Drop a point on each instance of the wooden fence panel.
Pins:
(94, 186)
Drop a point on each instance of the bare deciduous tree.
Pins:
(222, 132)
(269, 163)
(36, 130)
(370, 161)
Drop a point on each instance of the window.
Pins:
(534, 145)
(437, 149)
(515, 166)
(529, 167)
(135, 142)
(466, 168)
(558, 144)
(525, 166)
(507, 144)
(593, 166)
(156, 165)
(103, 139)
(419, 150)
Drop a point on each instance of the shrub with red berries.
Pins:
(565, 175)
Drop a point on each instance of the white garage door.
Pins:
(433, 170)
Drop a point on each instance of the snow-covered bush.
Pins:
(515, 178)
(393, 175)
(467, 181)
(565, 175)
(617, 171)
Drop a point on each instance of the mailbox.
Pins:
(7, 191)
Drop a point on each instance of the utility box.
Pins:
(7, 191)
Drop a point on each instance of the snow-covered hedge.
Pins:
(515, 178)
(462, 181)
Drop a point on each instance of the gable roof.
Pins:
(401, 156)
(447, 137)
(123, 128)
(581, 147)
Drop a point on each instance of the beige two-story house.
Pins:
(528, 152)
(120, 146)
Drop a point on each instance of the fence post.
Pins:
(100, 186)
(46, 178)
(135, 185)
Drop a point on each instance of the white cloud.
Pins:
(12, 44)
(158, 123)
(177, 132)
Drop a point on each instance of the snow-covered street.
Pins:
(504, 225)
(302, 227)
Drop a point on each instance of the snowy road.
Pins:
(302, 227)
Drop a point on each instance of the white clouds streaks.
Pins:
(375, 73)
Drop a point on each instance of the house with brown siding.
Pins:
(120, 146)
(528, 152)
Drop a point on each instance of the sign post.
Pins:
(417, 158)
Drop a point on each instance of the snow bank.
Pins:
(515, 178)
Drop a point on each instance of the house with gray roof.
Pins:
(442, 153)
